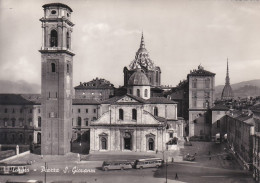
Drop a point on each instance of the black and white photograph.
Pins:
(129, 91)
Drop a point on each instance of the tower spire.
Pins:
(227, 76)
(142, 45)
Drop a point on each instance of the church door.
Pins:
(127, 141)
(151, 144)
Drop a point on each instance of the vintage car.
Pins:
(189, 157)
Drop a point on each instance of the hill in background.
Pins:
(20, 87)
(242, 89)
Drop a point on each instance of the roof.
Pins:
(220, 107)
(138, 78)
(97, 83)
(85, 102)
(247, 118)
(20, 99)
(57, 4)
(200, 72)
(255, 108)
(152, 100)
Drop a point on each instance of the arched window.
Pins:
(39, 121)
(54, 38)
(134, 114)
(121, 114)
(103, 143)
(138, 92)
(145, 92)
(207, 82)
(194, 83)
(53, 67)
(68, 40)
(86, 121)
(79, 121)
(151, 144)
(68, 68)
(155, 111)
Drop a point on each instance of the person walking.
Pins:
(176, 176)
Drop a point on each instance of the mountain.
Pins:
(19, 87)
(242, 89)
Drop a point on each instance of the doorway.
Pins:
(127, 141)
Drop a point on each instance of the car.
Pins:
(189, 157)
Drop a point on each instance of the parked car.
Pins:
(189, 157)
(116, 165)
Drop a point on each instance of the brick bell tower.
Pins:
(57, 90)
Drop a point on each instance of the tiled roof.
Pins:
(219, 107)
(160, 100)
(57, 4)
(20, 99)
(200, 72)
(247, 118)
(85, 101)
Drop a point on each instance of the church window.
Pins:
(39, 121)
(138, 92)
(134, 114)
(68, 40)
(145, 92)
(86, 110)
(103, 143)
(79, 121)
(53, 67)
(155, 111)
(194, 83)
(171, 134)
(54, 38)
(207, 82)
(121, 114)
(78, 110)
(53, 12)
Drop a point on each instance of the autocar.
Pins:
(116, 165)
(189, 157)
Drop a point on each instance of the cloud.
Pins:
(20, 70)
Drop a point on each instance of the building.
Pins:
(135, 121)
(240, 131)
(97, 89)
(21, 120)
(256, 143)
(227, 92)
(201, 99)
(142, 60)
(56, 86)
(219, 121)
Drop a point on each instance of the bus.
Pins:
(116, 165)
(148, 163)
(13, 169)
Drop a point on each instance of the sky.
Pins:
(179, 35)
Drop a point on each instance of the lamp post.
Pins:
(166, 177)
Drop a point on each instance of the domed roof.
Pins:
(138, 78)
(227, 93)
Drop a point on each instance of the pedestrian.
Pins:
(176, 176)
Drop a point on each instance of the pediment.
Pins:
(150, 135)
(127, 99)
(103, 134)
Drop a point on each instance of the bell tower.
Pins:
(56, 79)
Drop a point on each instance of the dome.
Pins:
(227, 92)
(138, 78)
